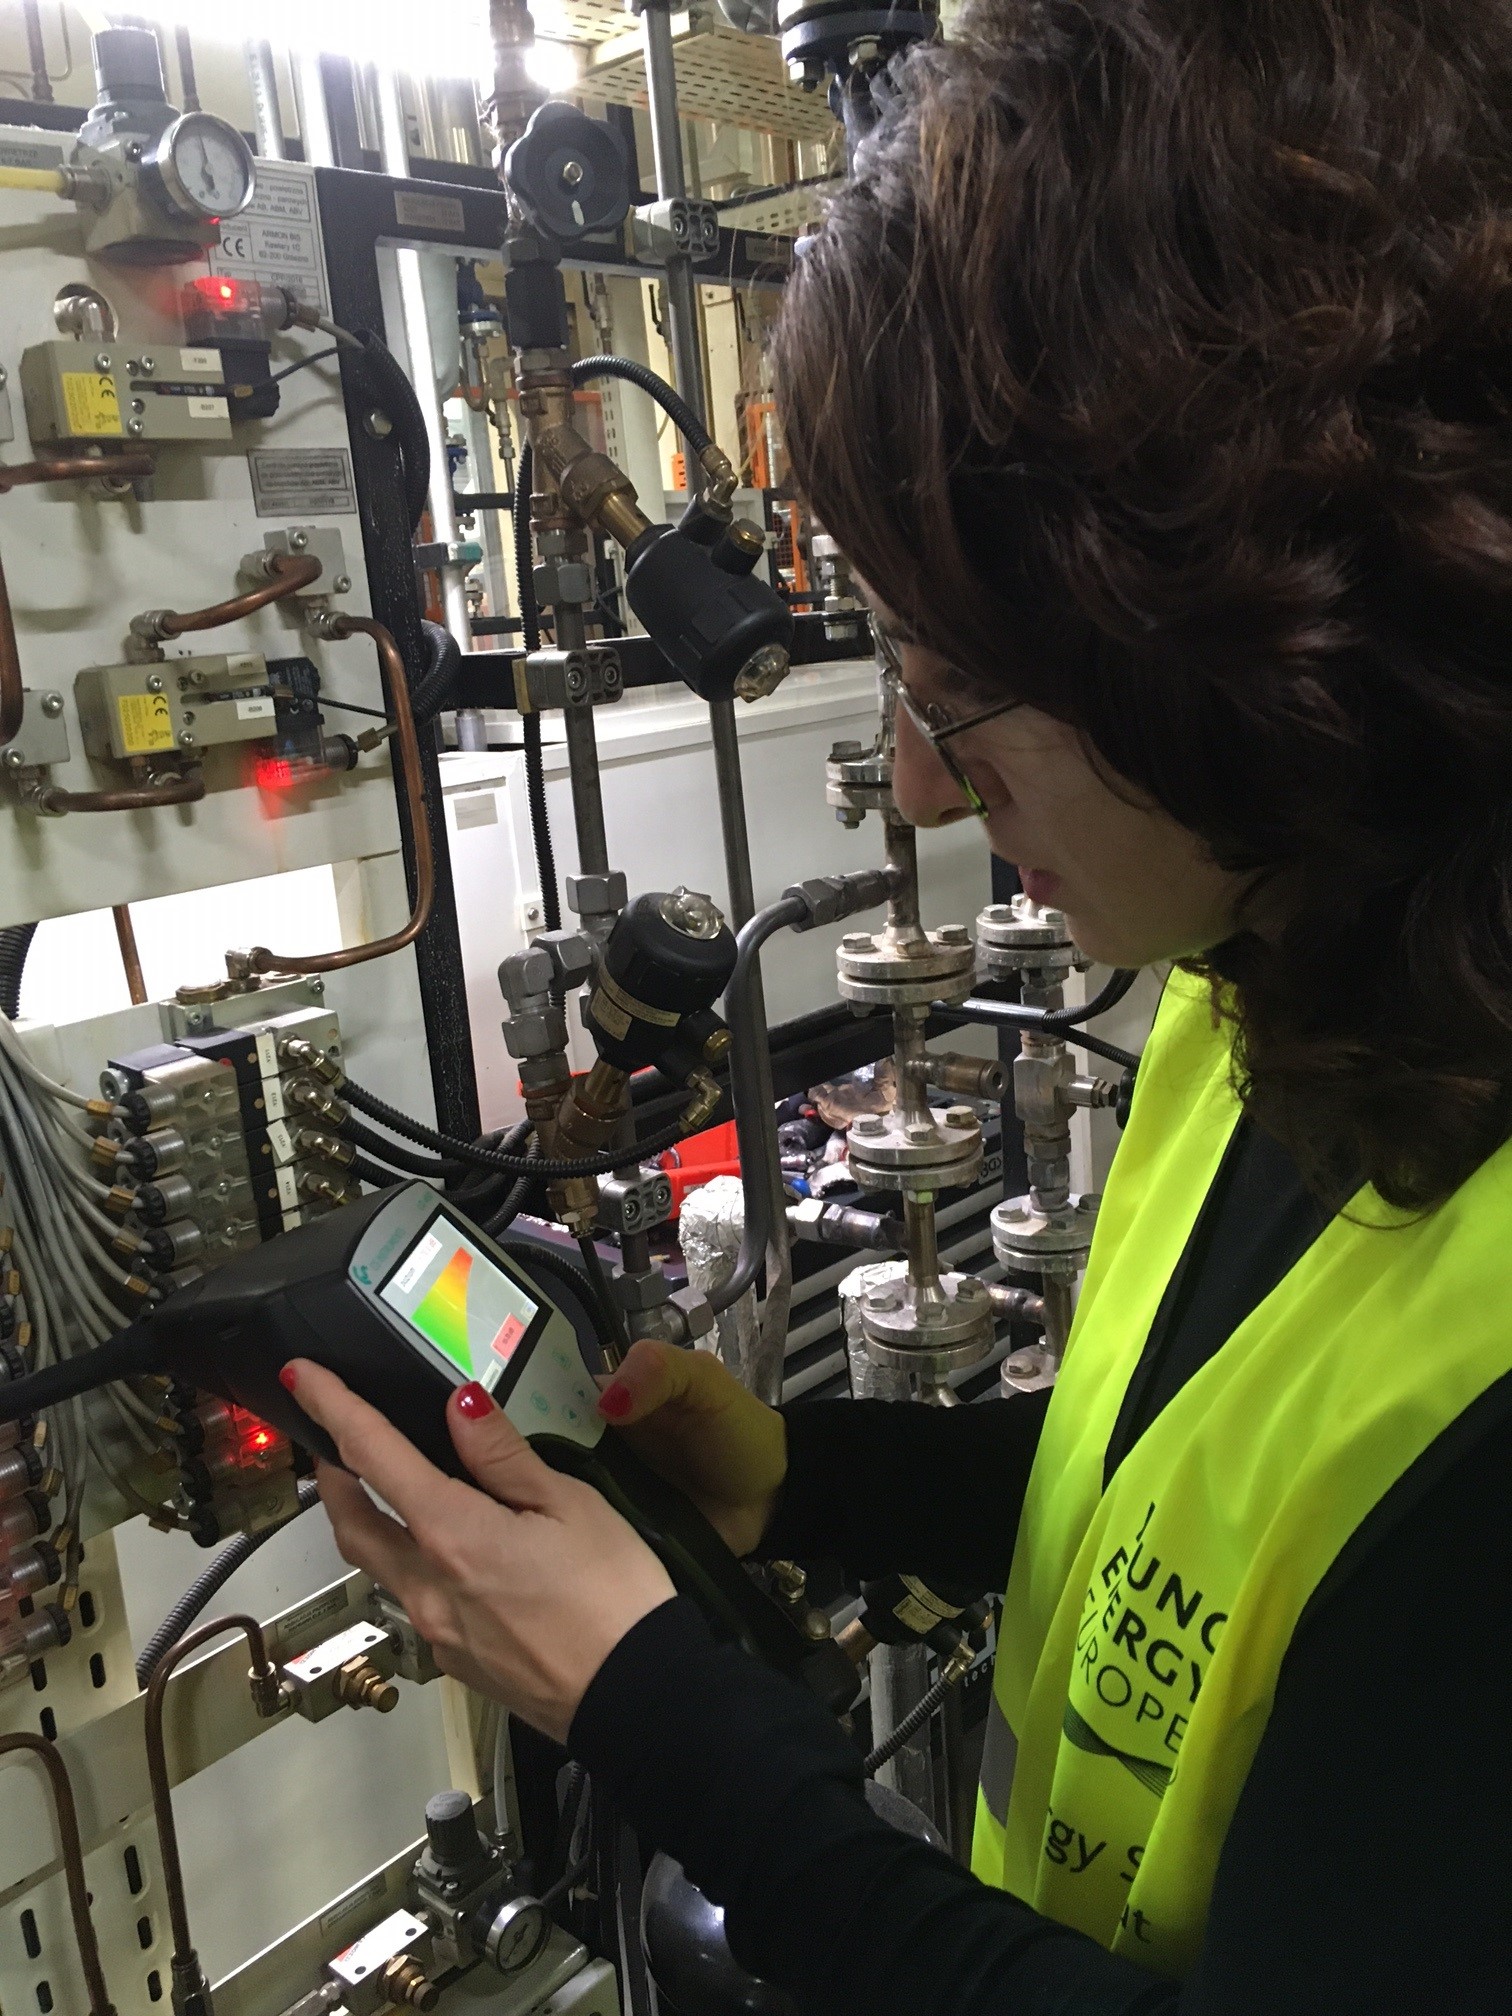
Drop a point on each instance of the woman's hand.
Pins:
(522, 1593)
(697, 1425)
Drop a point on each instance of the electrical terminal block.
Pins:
(352, 1670)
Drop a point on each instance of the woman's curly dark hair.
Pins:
(1156, 363)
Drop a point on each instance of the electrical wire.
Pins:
(299, 364)
(530, 636)
(603, 1294)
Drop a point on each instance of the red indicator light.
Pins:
(273, 773)
(260, 1438)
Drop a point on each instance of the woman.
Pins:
(1155, 368)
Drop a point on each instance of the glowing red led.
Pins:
(273, 773)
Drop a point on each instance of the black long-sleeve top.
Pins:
(1369, 1863)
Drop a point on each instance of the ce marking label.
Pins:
(237, 245)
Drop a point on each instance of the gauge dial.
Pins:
(205, 167)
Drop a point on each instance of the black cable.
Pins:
(15, 943)
(553, 1896)
(1005, 1014)
(550, 1261)
(573, 1793)
(1056, 1021)
(1101, 1047)
(513, 1204)
(387, 385)
(209, 1582)
(672, 404)
(431, 693)
(371, 1174)
(512, 1165)
(614, 1321)
(530, 631)
(299, 364)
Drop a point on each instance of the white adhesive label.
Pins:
(267, 1054)
(273, 1099)
(276, 239)
(288, 1194)
(256, 710)
(201, 364)
(208, 409)
(424, 212)
(301, 482)
(282, 1141)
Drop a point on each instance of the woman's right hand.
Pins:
(696, 1425)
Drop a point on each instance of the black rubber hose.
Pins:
(394, 1152)
(15, 943)
(547, 1260)
(207, 1584)
(488, 1158)
(530, 632)
(677, 409)
(393, 392)
(603, 1294)
(375, 1177)
(1056, 1021)
(1005, 1014)
(431, 693)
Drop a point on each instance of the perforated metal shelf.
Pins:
(786, 214)
(721, 74)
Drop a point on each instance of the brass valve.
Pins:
(405, 1980)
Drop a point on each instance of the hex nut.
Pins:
(526, 975)
(597, 895)
(695, 1309)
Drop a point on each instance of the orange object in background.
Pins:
(715, 1152)
(679, 469)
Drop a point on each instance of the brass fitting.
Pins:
(328, 1147)
(310, 1057)
(119, 1201)
(360, 1685)
(701, 1108)
(313, 1098)
(720, 471)
(405, 1980)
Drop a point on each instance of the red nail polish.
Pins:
(287, 1377)
(473, 1401)
(616, 1401)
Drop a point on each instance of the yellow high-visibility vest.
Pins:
(1144, 1625)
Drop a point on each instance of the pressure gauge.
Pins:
(203, 168)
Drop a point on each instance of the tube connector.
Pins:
(190, 1988)
(269, 1694)
(828, 898)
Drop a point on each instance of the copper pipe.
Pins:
(262, 1672)
(287, 575)
(73, 1864)
(36, 53)
(185, 790)
(260, 959)
(12, 698)
(74, 468)
(131, 959)
(12, 477)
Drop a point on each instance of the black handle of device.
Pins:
(702, 1566)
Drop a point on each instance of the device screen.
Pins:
(463, 1303)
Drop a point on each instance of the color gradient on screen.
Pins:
(442, 1316)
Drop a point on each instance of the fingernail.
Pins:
(287, 1377)
(473, 1401)
(616, 1401)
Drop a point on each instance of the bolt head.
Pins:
(867, 1123)
(52, 705)
(155, 682)
(377, 424)
(102, 361)
(858, 941)
(918, 1132)
(572, 173)
(186, 740)
(883, 1299)
(298, 541)
(953, 934)
(136, 426)
(15, 759)
(341, 585)
(960, 1116)
(149, 365)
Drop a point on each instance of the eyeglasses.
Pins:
(936, 724)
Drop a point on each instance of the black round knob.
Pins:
(455, 1842)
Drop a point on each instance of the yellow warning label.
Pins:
(91, 403)
(146, 724)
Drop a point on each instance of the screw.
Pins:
(377, 423)
(135, 427)
(133, 365)
(317, 986)
(1019, 1368)
(883, 1298)
(918, 1132)
(4, 375)
(867, 1123)
(341, 585)
(857, 941)
(102, 361)
(969, 1289)
(960, 1116)
(953, 934)
(15, 759)
(139, 405)
(148, 366)
(998, 913)
(186, 740)
(298, 541)
(154, 682)
(52, 705)
(572, 173)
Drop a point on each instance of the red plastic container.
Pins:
(715, 1152)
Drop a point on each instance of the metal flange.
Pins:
(1023, 1236)
(1019, 934)
(888, 1153)
(883, 972)
(932, 1334)
(858, 779)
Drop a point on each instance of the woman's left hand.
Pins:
(522, 1592)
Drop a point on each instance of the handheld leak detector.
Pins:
(405, 1299)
